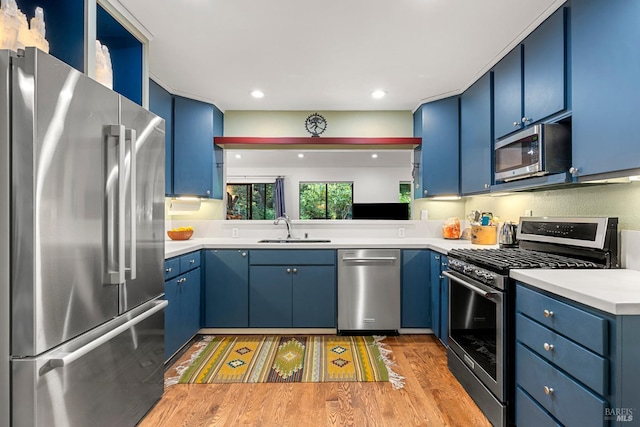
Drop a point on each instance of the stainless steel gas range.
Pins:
(481, 350)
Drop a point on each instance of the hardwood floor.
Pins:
(431, 397)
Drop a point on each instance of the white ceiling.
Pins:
(283, 158)
(329, 54)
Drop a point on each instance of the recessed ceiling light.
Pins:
(377, 94)
(257, 93)
(238, 156)
(300, 155)
(374, 156)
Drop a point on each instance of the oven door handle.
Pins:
(477, 290)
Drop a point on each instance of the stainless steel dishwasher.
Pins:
(368, 290)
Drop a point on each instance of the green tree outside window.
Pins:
(325, 200)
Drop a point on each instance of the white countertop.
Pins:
(615, 291)
(174, 248)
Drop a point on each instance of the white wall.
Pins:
(339, 123)
(369, 184)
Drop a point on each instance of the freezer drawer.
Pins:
(110, 376)
(369, 290)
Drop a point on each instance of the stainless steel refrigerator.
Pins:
(81, 249)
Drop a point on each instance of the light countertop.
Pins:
(615, 291)
(175, 248)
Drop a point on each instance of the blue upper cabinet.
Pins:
(440, 149)
(476, 140)
(530, 81)
(545, 72)
(416, 171)
(193, 158)
(217, 191)
(605, 86)
(507, 86)
(161, 103)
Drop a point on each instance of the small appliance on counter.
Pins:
(508, 235)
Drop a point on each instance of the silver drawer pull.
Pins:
(169, 270)
(295, 270)
(547, 346)
(548, 390)
(193, 261)
(288, 270)
(548, 313)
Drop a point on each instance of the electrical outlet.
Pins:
(235, 232)
(528, 212)
(400, 232)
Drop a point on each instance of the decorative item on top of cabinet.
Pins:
(15, 32)
(315, 124)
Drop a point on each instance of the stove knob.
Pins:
(489, 276)
(467, 269)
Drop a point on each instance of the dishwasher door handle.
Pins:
(371, 259)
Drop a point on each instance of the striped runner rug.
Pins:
(287, 359)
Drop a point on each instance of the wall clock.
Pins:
(315, 124)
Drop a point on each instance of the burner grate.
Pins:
(504, 259)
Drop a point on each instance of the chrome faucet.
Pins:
(287, 221)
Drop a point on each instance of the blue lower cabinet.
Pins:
(529, 413)
(314, 297)
(182, 315)
(416, 292)
(439, 297)
(270, 296)
(226, 289)
(171, 319)
(291, 296)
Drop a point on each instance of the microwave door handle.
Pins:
(469, 286)
(131, 138)
(114, 197)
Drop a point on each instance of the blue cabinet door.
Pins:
(440, 147)
(218, 185)
(161, 104)
(444, 303)
(226, 289)
(192, 147)
(416, 171)
(190, 290)
(605, 65)
(476, 139)
(416, 292)
(270, 296)
(545, 69)
(172, 321)
(435, 259)
(507, 92)
(314, 297)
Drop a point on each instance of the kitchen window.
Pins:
(326, 200)
(405, 194)
(250, 201)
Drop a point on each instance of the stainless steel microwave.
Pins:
(537, 150)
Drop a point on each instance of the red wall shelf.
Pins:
(316, 142)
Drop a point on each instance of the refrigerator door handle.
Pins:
(114, 197)
(131, 138)
(63, 359)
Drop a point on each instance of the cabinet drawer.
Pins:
(569, 402)
(293, 257)
(171, 268)
(189, 261)
(586, 366)
(530, 414)
(581, 326)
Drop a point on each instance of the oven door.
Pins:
(476, 329)
(519, 156)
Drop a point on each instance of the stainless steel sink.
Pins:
(294, 241)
